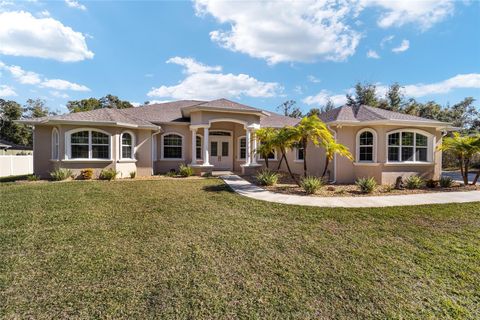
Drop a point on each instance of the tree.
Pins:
(310, 129)
(9, 129)
(288, 109)
(365, 94)
(394, 98)
(465, 115)
(283, 141)
(331, 148)
(35, 108)
(464, 148)
(109, 101)
(265, 136)
(314, 111)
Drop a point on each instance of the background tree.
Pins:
(36, 108)
(289, 109)
(365, 94)
(9, 130)
(109, 101)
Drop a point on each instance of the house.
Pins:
(220, 135)
(10, 148)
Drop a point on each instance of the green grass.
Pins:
(192, 249)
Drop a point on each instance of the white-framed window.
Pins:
(55, 144)
(242, 148)
(409, 146)
(127, 145)
(172, 146)
(88, 144)
(299, 153)
(271, 156)
(366, 145)
(198, 147)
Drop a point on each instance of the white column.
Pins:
(248, 152)
(206, 153)
(194, 146)
(254, 151)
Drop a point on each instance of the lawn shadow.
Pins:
(14, 178)
(218, 188)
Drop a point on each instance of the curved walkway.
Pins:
(247, 189)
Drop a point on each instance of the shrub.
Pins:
(446, 182)
(431, 183)
(108, 174)
(171, 173)
(267, 177)
(388, 188)
(133, 174)
(414, 182)
(366, 185)
(185, 171)
(60, 174)
(311, 184)
(86, 174)
(33, 177)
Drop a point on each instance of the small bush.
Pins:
(86, 174)
(366, 185)
(108, 174)
(171, 173)
(185, 171)
(414, 182)
(267, 177)
(431, 183)
(133, 174)
(388, 188)
(446, 182)
(60, 174)
(311, 184)
(33, 177)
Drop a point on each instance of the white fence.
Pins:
(15, 165)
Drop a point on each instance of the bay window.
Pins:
(409, 146)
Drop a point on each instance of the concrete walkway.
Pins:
(247, 189)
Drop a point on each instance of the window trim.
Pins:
(430, 148)
(120, 144)
(357, 144)
(55, 144)
(68, 145)
(239, 158)
(275, 155)
(296, 159)
(201, 146)
(162, 147)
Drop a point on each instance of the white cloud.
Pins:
(313, 79)
(280, 31)
(298, 90)
(58, 94)
(323, 97)
(22, 34)
(386, 40)
(424, 13)
(460, 81)
(7, 91)
(202, 83)
(372, 54)
(136, 104)
(44, 13)
(60, 84)
(75, 4)
(402, 47)
(22, 76)
(191, 66)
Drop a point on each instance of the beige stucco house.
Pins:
(220, 135)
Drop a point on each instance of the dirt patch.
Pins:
(287, 185)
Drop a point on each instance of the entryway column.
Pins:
(206, 153)
(194, 146)
(248, 150)
(254, 151)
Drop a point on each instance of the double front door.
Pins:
(221, 155)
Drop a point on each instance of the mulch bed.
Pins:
(287, 185)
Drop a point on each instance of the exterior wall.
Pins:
(43, 163)
(383, 172)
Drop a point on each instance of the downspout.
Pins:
(334, 157)
(153, 149)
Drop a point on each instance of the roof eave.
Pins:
(436, 124)
(89, 122)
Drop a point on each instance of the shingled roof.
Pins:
(366, 113)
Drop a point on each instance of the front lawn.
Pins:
(175, 248)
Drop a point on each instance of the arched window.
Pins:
(409, 146)
(55, 144)
(366, 146)
(172, 146)
(88, 144)
(127, 145)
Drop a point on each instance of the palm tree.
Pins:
(284, 140)
(311, 129)
(331, 148)
(464, 148)
(265, 137)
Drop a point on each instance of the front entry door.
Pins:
(221, 152)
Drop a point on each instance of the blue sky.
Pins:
(258, 53)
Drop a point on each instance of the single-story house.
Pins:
(220, 135)
(10, 148)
